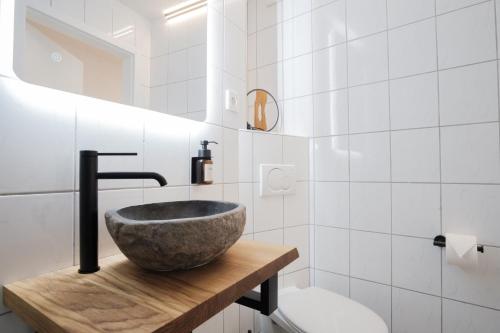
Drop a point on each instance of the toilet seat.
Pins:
(315, 310)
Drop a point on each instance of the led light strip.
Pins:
(183, 9)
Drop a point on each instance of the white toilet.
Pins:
(315, 310)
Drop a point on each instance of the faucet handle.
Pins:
(117, 154)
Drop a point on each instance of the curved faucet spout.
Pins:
(133, 175)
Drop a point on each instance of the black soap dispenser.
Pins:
(202, 166)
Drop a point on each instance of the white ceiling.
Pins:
(150, 9)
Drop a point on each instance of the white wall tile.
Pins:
(108, 200)
(330, 69)
(331, 159)
(271, 237)
(99, 15)
(230, 145)
(368, 59)
(123, 18)
(332, 250)
(267, 149)
(298, 76)
(232, 318)
(296, 152)
(299, 279)
(270, 78)
(369, 108)
(469, 154)
(294, 8)
(269, 45)
(234, 50)
(333, 282)
(443, 6)
(370, 256)
(100, 131)
(414, 102)
(165, 194)
(197, 95)
(37, 144)
(478, 285)
(331, 115)
(370, 207)
(245, 197)
(73, 9)
(236, 11)
(370, 157)
(298, 237)
(166, 149)
(245, 156)
(177, 99)
(416, 209)
(405, 11)
(469, 94)
(467, 36)
(207, 192)
(416, 264)
(464, 318)
(472, 209)
(328, 25)
(297, 36)
(177, 66)
(415, 312)
(268, 211)
(412, 49)
(365, 17)
(252, 51)
(269, 13)
(37, 231)
(296, 206)
(298, 116)
(415, 155)
(331, 204)
(373, 295)
(197, 61)
(251, 16)
(158, 99)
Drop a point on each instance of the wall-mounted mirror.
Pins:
(151, 54)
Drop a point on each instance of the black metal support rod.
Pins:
(266, 301)
(440, 241)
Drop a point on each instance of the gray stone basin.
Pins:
(176, 235)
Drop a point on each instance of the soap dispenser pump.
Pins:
(202, 166)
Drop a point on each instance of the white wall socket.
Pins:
(231, 100)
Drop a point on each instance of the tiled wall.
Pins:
(406, 146)
(179, 66)
(42, 130)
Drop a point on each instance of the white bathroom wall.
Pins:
(42, 130)
(406, 147)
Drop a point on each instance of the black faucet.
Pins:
(88, 203)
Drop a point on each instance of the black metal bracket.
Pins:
(440, 241)
(266, 301)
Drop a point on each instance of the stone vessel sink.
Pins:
(176, 235)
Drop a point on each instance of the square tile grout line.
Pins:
(390, 155)
(440, 162)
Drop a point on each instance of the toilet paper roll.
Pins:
(461, 250)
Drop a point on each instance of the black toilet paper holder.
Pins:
(440, 241)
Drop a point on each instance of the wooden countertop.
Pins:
(122, 297)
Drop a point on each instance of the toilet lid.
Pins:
(315, 310)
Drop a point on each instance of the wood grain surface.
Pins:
(122, 297)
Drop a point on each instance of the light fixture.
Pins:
(124, 31)
(184, 8)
